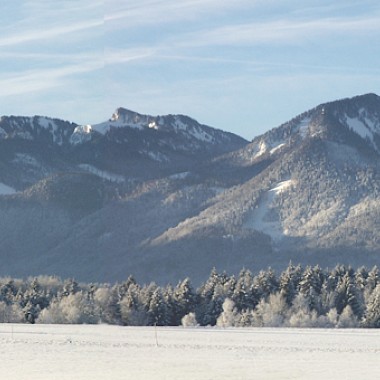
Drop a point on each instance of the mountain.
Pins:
(164, 197)
(134, 146)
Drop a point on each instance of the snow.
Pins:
(81, 134)
(363, 126)
(281, 186)
(263, 147)
(359, 127)
(102, 173)
(304, 127)
(194, 131)
(3, 134)
(156, 156)
(182, 175)
(153, 125)
(6, 190)
(103, 128)
(99, 352)
(47, 123)
(322, 221)
(276, 148)
(262, 218)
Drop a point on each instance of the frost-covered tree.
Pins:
(310, 286)
(103, 299)
(11, 313)
(373, 280)
(157, 311)
(72, 309)
(347, 318)
(289, 282)
(133, 310)
(184, 300)
(347, 293)
(270, 312)
(189, 320)
(211, 298)
(332, 318)
(266, 283)
(230, 316)
(245, 294)
(53, 314)
(372, 314)
(300, 314)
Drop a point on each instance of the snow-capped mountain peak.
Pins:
(177, 131)
(354, 119)
(168, 193)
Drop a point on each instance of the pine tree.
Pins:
(310, 287)
(266, 283)
(288, 283)
(157, 309)
(372, 315)
(245, 294)
(184, 300)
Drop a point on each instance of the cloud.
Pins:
(120, 56)
(139, 13)
(52, 56)
(43, 79)
(279, 31)
(48, 33)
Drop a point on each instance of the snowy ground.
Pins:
(5, 190)
(111, 352)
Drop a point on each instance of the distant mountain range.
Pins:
(164, 197)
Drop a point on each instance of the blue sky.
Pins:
(244, 66)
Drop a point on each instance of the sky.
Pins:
(244, 66)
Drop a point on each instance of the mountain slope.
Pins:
(316, 196)
(166, 197)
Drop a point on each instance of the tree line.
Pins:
(297, 297)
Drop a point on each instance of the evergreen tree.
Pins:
(288, 283)
(245, 294)
(184, 300)
(209, 307)
(372, 315)
(157, 313)
(266, 283)
(133, 307)
(310, 287)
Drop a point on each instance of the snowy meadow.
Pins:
(100, 352)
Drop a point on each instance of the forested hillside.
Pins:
(165, 197)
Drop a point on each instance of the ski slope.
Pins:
(113, 352)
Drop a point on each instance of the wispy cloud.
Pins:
(279, 31)
(48, 33)
(119, 56)
(263, 65)
(43, 79)
(138, 13)
(51, 57)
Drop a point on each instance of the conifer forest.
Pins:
(342, 297)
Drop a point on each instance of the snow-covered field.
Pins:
(112, 352)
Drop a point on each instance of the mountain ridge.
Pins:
(306, 191)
